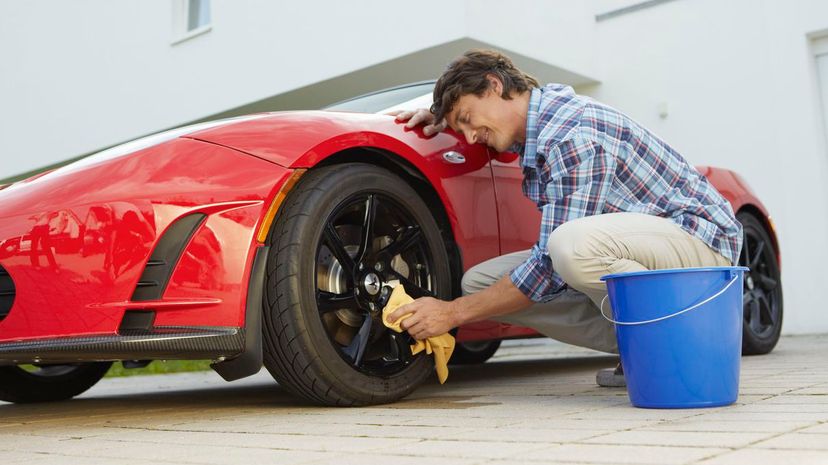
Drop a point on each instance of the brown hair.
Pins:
(467, 75)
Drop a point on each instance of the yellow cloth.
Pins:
(441, 346)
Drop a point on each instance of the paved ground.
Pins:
(534, 403)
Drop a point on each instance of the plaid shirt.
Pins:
(583, 158)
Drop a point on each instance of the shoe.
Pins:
(611, 377)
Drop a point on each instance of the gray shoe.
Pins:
(611, 377)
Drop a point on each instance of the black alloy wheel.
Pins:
(343, 236)
(762, 303)
(368, 242)
(45, 383)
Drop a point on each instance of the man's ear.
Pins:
(495, 85)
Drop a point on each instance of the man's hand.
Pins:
(429, 317)
(420, 116)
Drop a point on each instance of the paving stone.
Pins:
(680, 438)
(525, 435)
(821, 428)
(600, 454)
(800, 441)
(383, 459)
(306, 442)
(465, 449)
(769, 457)
(727, 426)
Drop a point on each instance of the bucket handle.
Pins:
(633, 323)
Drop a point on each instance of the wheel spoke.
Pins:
(766, 310)
(399, 347)
(356, 349)
(410, 288)
(754, 321)
(338, 249)
(757, 255)
(410, 237)
(766, 282)
(368, 221)
(744, 258)
(330, 302)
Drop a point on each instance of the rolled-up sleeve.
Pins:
(580, 176)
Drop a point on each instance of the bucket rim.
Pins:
(672, 271)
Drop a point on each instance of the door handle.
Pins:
(455, 158)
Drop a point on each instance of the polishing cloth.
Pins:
(441, 346)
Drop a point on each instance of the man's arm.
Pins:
(432, 317)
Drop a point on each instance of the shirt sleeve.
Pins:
(580, 174)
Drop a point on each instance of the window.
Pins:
(191, 18)
(198, 14)
(388, 99)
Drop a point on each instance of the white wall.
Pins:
(738, 79)
(80, 75)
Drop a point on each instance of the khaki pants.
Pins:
(582, 251)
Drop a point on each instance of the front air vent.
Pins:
(7, 293)
(164, 258)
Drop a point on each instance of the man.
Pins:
(613, 196)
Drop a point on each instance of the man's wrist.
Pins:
(456, 310)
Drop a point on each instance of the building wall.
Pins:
(729, 84)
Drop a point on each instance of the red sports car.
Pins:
(268, 240)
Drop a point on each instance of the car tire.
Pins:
(49, 382)
(762, 290)
(347, 357)
(473, 352)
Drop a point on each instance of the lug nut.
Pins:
(378, 266)
(372, 306)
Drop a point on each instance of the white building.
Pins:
(741, 84)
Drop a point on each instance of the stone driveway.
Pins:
(535, 402)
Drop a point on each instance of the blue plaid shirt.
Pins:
(582, 158)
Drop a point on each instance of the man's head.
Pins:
(485, 97)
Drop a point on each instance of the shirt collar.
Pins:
(530, 145)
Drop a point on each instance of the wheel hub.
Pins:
(372, 284)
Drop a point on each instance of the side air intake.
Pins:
(7, 293)
(164, 258)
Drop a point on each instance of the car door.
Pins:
(518, 217)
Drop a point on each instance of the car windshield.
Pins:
(406, 97)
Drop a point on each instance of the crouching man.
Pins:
(614, 198)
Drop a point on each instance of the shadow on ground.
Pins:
(204, 392)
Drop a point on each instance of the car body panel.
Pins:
(75, 241)
(305, 139)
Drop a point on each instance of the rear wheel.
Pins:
(762, 292)
(343, 233)
(44, 383)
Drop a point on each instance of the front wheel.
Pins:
(342, 235)
(44, 383)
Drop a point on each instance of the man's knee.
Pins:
(474, 280)
(562, 248)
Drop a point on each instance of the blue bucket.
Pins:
(679, 334)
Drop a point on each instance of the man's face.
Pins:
(488, 119)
